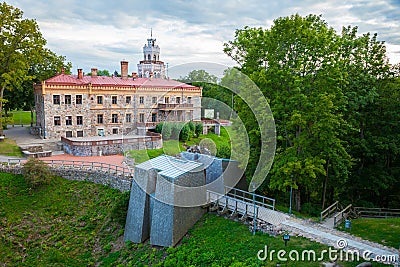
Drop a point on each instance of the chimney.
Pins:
(94, 72)
(124, 70)
(62, 71)
(80, 74)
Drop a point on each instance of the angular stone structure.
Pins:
(167, 194)
(152, 213)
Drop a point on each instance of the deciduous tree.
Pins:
(23, 56)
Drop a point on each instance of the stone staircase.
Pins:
(54, 146)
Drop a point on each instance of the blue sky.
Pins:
(102, 33)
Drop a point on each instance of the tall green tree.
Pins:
(371, 94)
(21, 96)
(375, 146)
(22, 51)
(199, 76)
(213, 92)
(295, 63)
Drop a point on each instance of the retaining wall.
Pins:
(113, 180)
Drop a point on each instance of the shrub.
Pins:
(166, 131)
(184, 134)
(37, 173)
(7, 120)
(224, 151)
(176, 128)
(191, 125)
(159, 127)
(198, 129)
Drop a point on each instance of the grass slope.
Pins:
(22, 117)
(81, 224)
(8, 147)
(383, 231)
(65, 224)
(173, 147)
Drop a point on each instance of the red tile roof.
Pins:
(64, 79)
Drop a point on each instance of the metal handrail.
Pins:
(246, 204)
(342, 216)
(248, 197)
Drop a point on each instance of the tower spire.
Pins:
(151, 33)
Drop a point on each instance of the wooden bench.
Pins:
(2, 138)
(40, 154)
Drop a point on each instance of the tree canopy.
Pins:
(23, 55)
(320, 85)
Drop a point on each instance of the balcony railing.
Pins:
(174, 106)
(147, 124)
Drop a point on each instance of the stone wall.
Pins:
(119, 182)
(111, 146)
(89, 109)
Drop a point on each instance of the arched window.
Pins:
(155, 57)
(149, 57)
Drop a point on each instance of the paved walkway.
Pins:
(324, 235)
(312, 230)
(22, 137)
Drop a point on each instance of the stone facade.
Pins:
(110, 146)
(85, 106)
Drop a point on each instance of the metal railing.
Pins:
(174, 106)
(342, 215)
(236, 206)
(329, 211)
(81, 165)
(262, 201)
(377, 212)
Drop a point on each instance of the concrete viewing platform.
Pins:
(110, 145)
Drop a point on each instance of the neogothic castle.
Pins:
(81, 106)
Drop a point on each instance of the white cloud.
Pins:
(101, 33)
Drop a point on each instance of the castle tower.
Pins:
(151, 66)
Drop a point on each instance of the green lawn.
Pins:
(22, 117)
(383, 231)
(8, 147)
(81, 224)
(170, 147)
(173, 147)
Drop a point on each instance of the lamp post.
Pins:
(291, 194)
(290, 200)
(253, 186)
